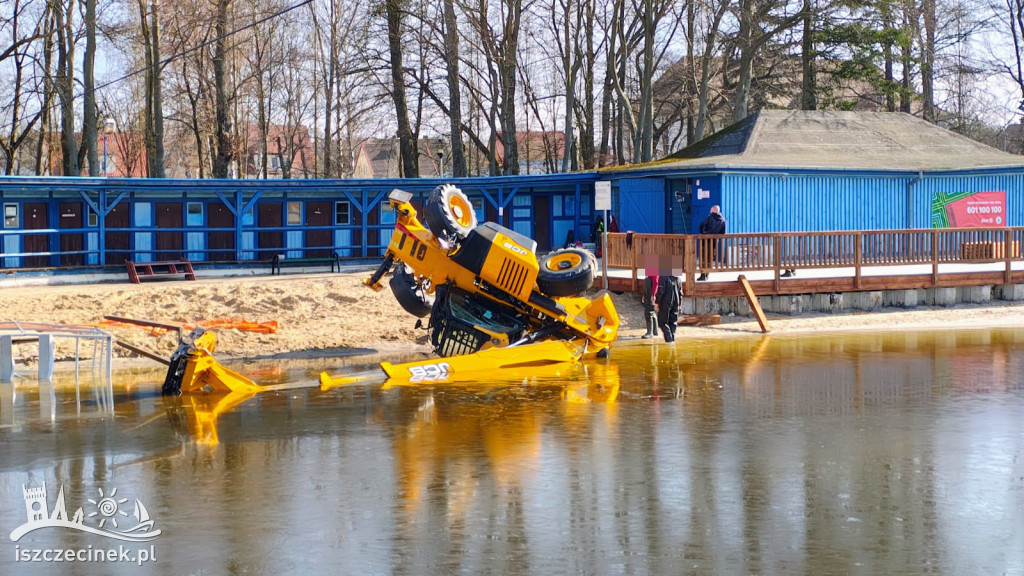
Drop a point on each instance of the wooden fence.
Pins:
(692, 255)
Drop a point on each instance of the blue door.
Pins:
(642, 205)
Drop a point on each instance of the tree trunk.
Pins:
(148, 138)
(705, 71)
(156, 163)
(928, 61)
(89, 81)
(691, 68)
(607, 96)
(66, 88)
(570, 84)
(644, 152)
(587, 121)
(507, 67)
(43, 166)
(222, 100)
(406, 144)
(451, 56)
(809, 88)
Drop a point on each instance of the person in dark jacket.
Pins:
(668, 298)
(713, 225)
(647, 297)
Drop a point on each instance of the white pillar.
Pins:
(6, 358)
(46, 354)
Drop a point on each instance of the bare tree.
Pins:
(406, 141)
(21, 30)
(223, 94)
(89, 96)
(451, 58)
(758, 23)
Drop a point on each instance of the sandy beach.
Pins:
(334, 314)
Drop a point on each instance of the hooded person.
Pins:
(713, 225)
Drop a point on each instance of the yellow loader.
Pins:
(490, 302)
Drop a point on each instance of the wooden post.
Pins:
(935, 257)
(754, 304)
(689, 264)
(632, 256)
(858, 254)
(777, 260)
(1008, 249)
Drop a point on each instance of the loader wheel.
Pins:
(409, 293)
(449, 214)
(566, 272)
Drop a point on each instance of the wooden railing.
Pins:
(794, 251)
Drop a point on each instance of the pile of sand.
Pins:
(333, 314)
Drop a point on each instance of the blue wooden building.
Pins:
(71, 222)
(786, 171)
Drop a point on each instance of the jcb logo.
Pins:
(514, 248)
(428, 372)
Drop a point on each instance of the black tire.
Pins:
(566, 272)
(449, 214)
(409, 294)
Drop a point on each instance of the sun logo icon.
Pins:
(107, 507)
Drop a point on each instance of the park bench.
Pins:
(281, 260)
(138, 271)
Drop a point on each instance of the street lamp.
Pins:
(109, 126)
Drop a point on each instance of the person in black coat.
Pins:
(668, 298)
(713, 225)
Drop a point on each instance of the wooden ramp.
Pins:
(755, 305)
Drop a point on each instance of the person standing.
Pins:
(713, 225)
(668, 297)
(647, 298)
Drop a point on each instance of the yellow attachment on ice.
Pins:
(203, 372)
(205, 410)
(443, 369)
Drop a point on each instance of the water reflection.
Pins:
(877, 453)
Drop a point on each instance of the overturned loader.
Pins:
(482, 287)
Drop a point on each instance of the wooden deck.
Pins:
(842, 261)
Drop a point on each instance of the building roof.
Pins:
(380, 158)
(833, 139)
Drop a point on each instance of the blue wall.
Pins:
(512, 200)
(804, 203)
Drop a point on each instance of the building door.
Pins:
(542, 216)
(169, 245)
(118, 244)
(642, 205)
(318, 214)
(270, 215)
(71, 217)
(521, 217)
(681, 207)
(222, 242)
(35, 219)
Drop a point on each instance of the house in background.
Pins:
(381, 158)
(289, 153)
(539, 152)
